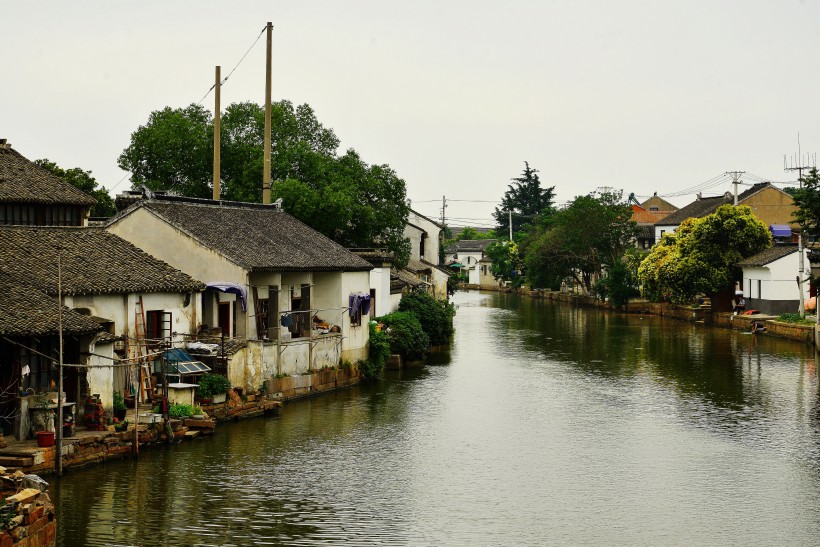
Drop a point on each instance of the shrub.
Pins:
(794, 318)
(406, 335)
(378, 353)
(212, 384)
(435, 316)
(181, 411)
(119, 401)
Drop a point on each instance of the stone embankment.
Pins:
(27, 513)
(90, 447)
(703, 314)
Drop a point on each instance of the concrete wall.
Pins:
(354, 346)
(772, 206)
(439, 280)
(380, 280)
(773, 288)
(160, 239)
(414, 235)
(121, 309)
(431, 242)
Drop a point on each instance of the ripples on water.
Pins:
(545, 424)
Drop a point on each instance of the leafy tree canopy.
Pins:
(807, 200)
(591, 233)
(525, 198)
(356, 204)
(700, 257)
(435, 316)
(85, 182)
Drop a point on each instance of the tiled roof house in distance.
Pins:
(271, 279)
(33, 196)
(103, 278)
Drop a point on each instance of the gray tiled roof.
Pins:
(706, 206)
(26, 311)
(767, 256)
(469, 245)
(417, 266)
(697, 209)
(22, 181)
(93, 262)
(256, 237)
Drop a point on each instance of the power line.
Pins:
(225, 79)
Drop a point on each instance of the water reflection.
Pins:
(542, 424)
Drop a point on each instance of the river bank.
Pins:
(149, 431)
(703, 314)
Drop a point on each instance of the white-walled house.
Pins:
(270, 279)
(471, 254)
(769, 280)
(103, 277)
(425, 237)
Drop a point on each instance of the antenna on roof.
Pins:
(798, 163)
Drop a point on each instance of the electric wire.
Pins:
(225, 79)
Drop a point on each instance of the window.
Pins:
(359, 304)
(300, 322)
(157, 328)
(267, 313)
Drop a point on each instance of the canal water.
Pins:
(544, 424)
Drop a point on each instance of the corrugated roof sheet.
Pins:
(93, 262)
(23, 181)
(256, 237)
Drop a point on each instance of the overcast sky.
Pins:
(643, 96)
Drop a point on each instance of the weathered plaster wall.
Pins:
(354, 346)
(380, 280)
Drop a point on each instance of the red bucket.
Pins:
(45, 438)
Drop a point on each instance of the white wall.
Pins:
(380, 280)
(665, 230)
(122, 309)
(777, 279)
(414, 235)
(431, 242)
(354, 346)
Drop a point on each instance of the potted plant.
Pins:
(119, 406)
(213, 386)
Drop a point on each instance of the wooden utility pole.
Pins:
(58, 456)
(266, 172)
(217, 142)
(798, 163)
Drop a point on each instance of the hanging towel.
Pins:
(286, 320)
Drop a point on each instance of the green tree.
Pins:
(620, 281)
(807, 200)
(87, 183)
(406, 335)
(525, 198)
(353, 203)
(700, 257)
(506, 262)
(435, 316)
(580, 241)
(173, 152)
